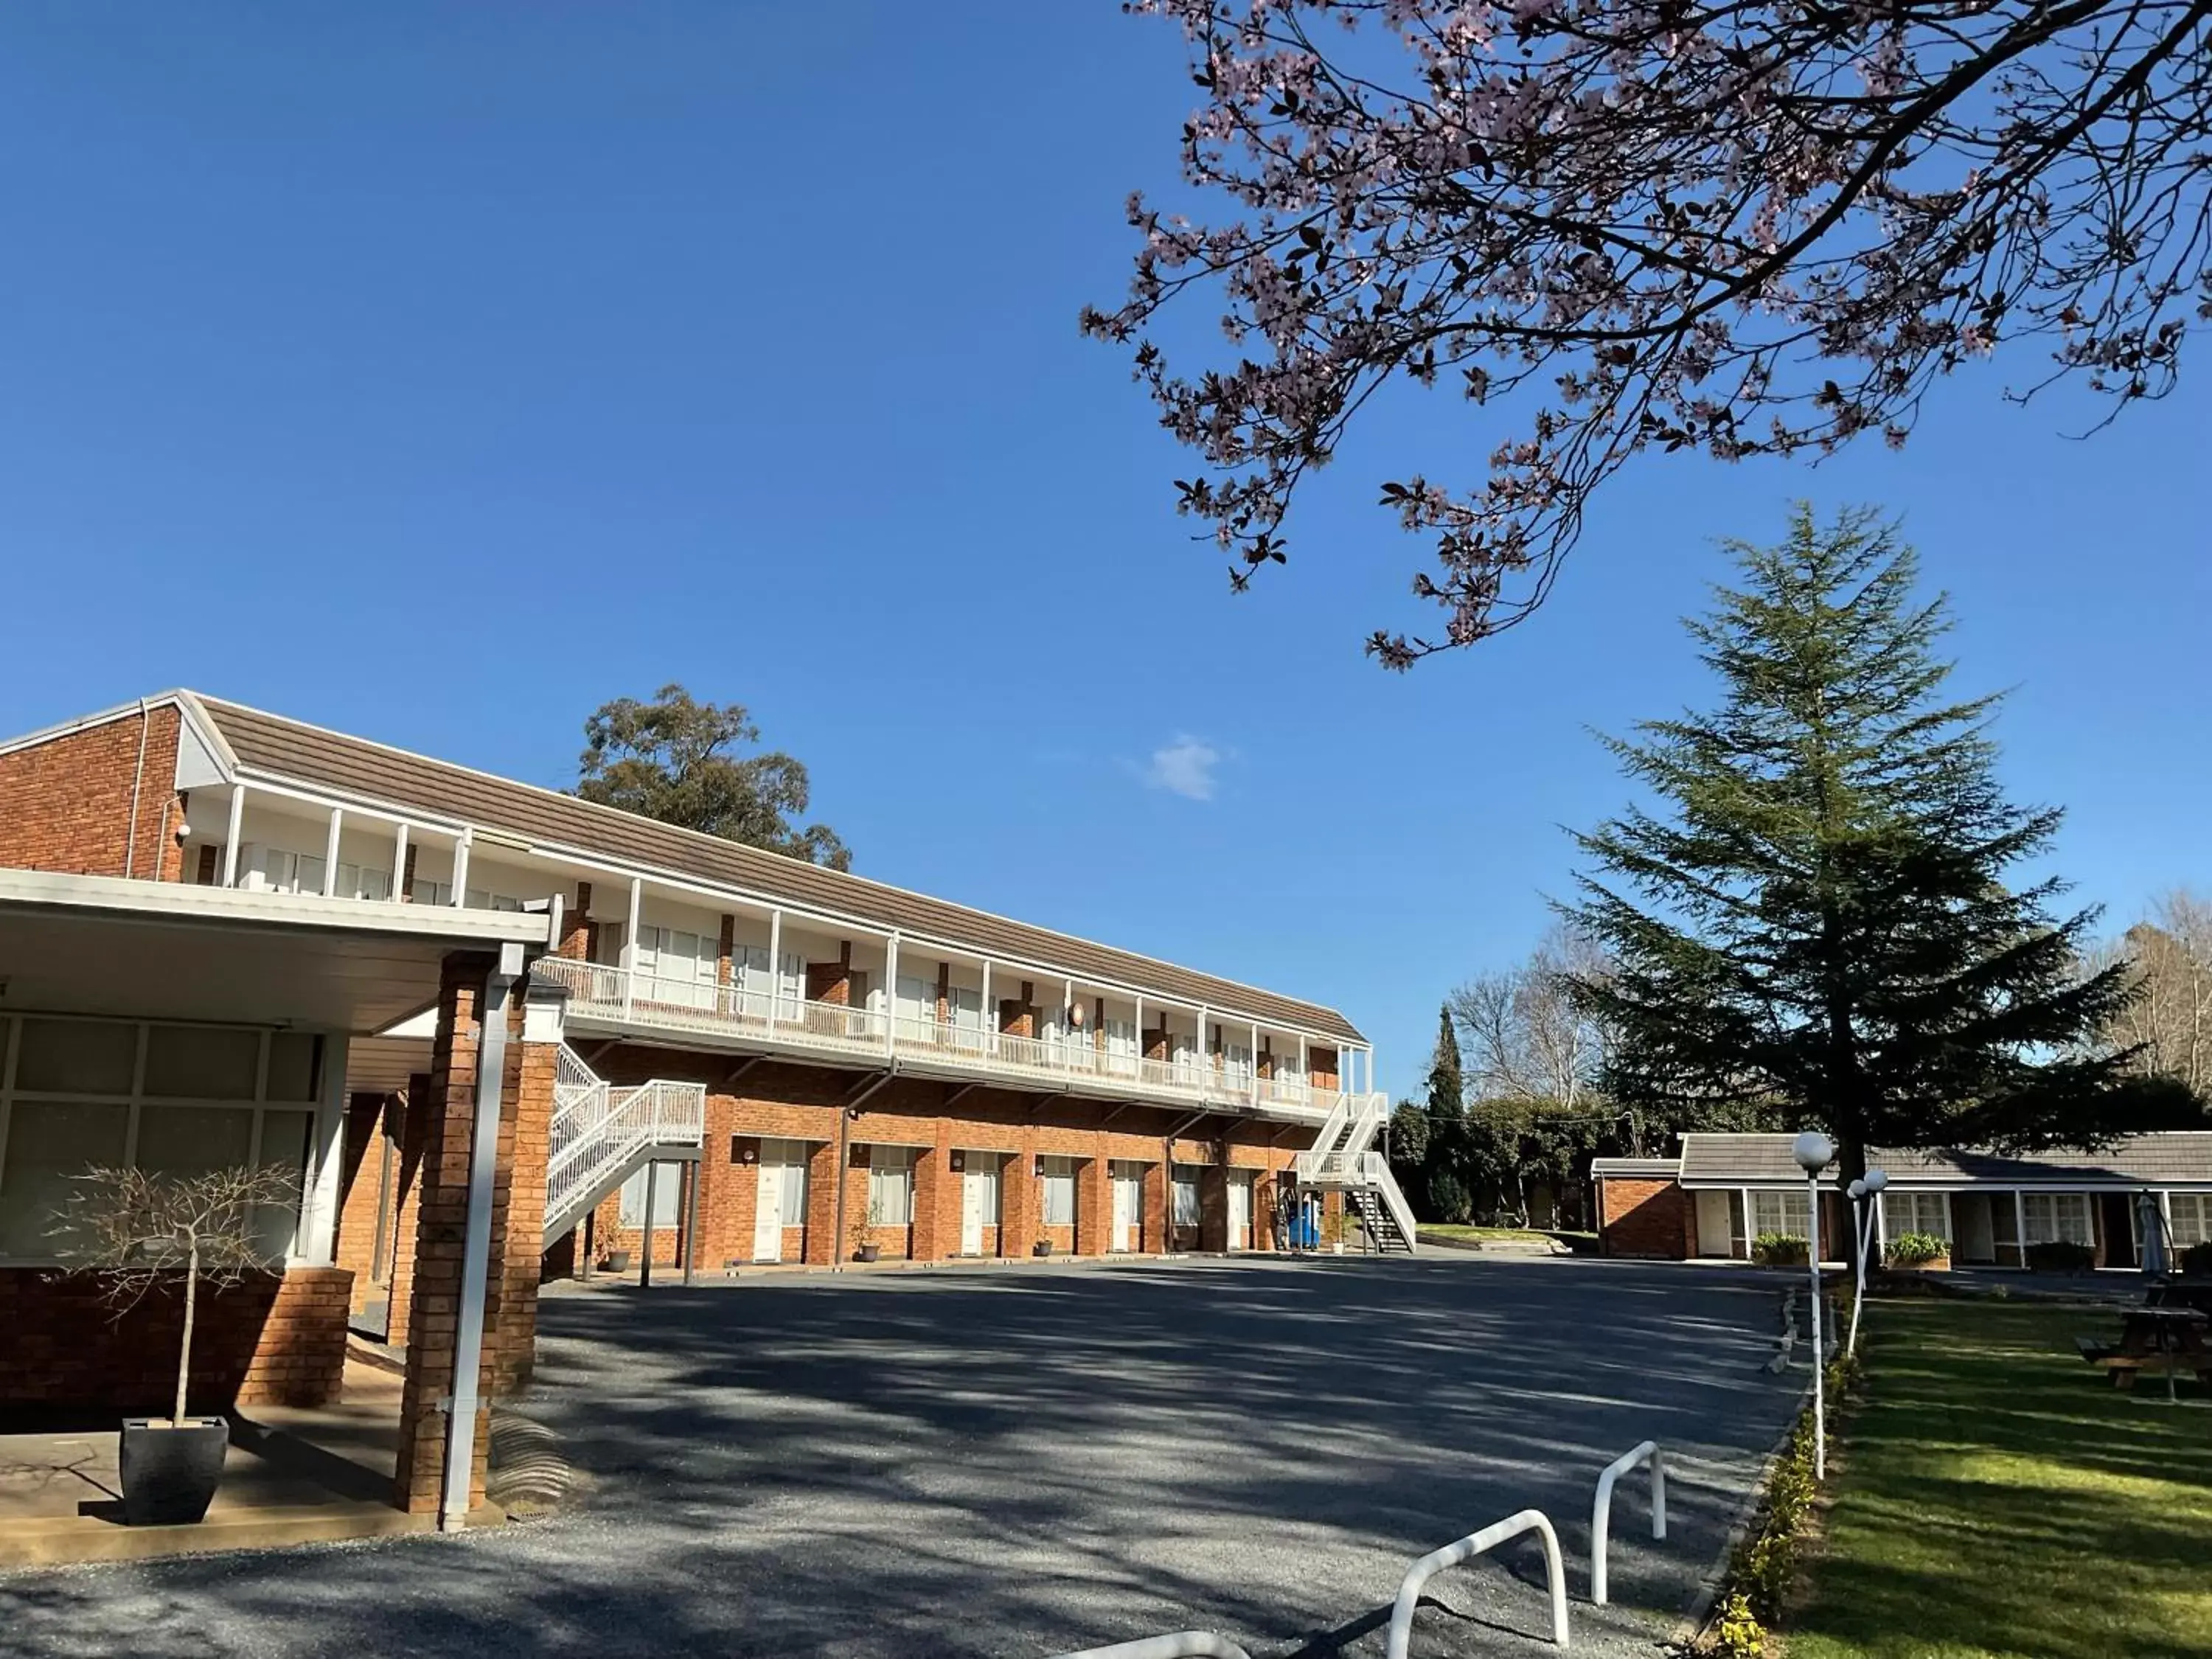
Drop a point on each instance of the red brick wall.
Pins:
(795, 1102)
(274, 1339)
(1652, 1217)
(65, 804)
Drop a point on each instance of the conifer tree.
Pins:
(1814, 915)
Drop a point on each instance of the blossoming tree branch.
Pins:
(1739, 227)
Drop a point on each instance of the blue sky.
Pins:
(436, 373)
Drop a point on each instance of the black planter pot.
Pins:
(170, 1474)
(867, 1252)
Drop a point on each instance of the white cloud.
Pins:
(1184, 767)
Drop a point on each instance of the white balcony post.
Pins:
(1204, 1059)
(460, 870)
(1305, 1074)
(1252, 1067)
(330, 853)
(1138, 1070)
(890, 996)
(629, 948)
(990, 1013)
(231, 834)
(775, 968)
(1067, 1063)
(399, 864)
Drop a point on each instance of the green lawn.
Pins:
(1998, 1497)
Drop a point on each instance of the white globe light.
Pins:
(1875, 1181)
(1813, 1152)
(1857, 1188)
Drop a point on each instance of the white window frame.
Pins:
(2050, 1229)
(137, 1101)
(1185, 1178)
(890, 1186)
(1784, 1209)
(1906, 1212)
(2197, 1208)
(1057, 1208)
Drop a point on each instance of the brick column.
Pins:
(407, 1205)
(1213, 1208)
(1017, 1203)
(1094, 1208)
(934, 1187)
(1264, 1193)
(575, 940)
(518, 1198)
(823, 1245)
(1155, 1241)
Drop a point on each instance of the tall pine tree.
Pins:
(1817, 921)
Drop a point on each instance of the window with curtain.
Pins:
(1917, 1212)
(667, 1195)
(2055, 1217)
(169, 1098)
(1780, 1212)
(1185, 1191)
(890, 1186)
(2190, 1216)
(787, 1161)
(681, 967)
(1059, 1192)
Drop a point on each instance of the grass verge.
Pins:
(1998, 1499)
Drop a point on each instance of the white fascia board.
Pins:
(86, 722)
(241, 907)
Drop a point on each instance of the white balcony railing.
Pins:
(623, 996)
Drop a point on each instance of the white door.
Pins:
(1128, 1208)
(1714, 1230)
(973, 1200)
(1240, 1209)
(768, 1218)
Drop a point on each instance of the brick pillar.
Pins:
(1094, 1208)
(525, 1141)
(407, 1207)
(1264, 1193)
(575, 940)
(822, 1246)
(1019, 1203)
(440, 1239)
(1155, 1241)
(725, 950)
(1213, 1209)
(935, 1186)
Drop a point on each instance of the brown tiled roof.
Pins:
(289, 749)
(2176, 1158)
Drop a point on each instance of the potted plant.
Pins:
(864, 1248)
(136, 1230)
(614, 1262)
(1042, 1247)
(1914, 1250)
(1779, 1250)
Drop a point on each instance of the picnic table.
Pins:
(2182, 1293)
(2167, 1340)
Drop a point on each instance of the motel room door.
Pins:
(782, 1199)
(1128, 1204)
(979, 1201)
(1240, 1209)
(1716, 1223)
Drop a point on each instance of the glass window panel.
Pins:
(48, 1144)
(194, 1140)
(667, 1188)
(794, 1195)
(1186, 1198)
(284, 1137)
(2192, 1217)
(1059, 1192)
(201, 1062)
(77, 1056)
(292, 1066)
(311, 873)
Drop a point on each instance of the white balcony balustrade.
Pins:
(749, 1017)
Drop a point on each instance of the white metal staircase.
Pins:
(602, 1134)
(1342, 1157)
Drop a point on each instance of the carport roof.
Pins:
(2180, 1157)
(104, 945)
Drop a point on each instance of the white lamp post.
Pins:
(1814, 1152)
(1868, 1188)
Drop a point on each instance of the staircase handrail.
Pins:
(1311, 1164)
(597, 1128)
(1374, 1171)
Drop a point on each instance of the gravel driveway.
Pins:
(1013, 1461)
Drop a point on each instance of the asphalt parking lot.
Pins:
(1020, 1461)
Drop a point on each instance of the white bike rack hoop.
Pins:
(1409, 1590)
(1601, 1510)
